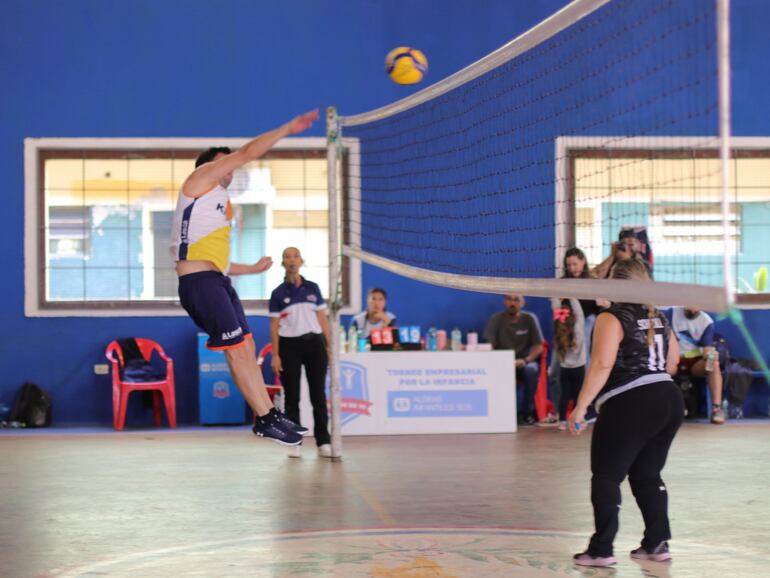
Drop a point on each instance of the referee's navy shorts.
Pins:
(211, 301)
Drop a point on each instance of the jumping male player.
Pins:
(201, 249)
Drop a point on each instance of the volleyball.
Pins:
(406, 65)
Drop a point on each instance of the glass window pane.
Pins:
(678, 199)
(104, 174)
(109, 216)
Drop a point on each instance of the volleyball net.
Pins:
(605, 116)
(609, 116)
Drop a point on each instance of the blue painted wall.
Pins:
(89, 68)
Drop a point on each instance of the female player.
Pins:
(640, 410)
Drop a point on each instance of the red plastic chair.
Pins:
(273, 389)
(122, 389)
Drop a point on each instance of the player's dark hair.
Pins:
(210, 154)
(625, 233)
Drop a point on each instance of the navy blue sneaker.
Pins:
(269, 427)
(286, 423)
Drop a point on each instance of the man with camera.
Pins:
(632, 243)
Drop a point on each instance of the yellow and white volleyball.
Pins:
(406, 65)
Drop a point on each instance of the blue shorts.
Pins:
(211, 301)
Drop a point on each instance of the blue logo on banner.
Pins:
(221, 389)
(463, 403)
(354, 391)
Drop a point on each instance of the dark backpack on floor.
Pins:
(32, 407)
(738, 380)
(689, 395)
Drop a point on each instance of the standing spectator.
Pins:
(628, 246)
(299, 332)
(695, 331)
(575, 266)
(640, 411)
(375, 315)
(570, 350)
(519, 330)
(642, 245)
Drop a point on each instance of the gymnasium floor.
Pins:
(221, 503)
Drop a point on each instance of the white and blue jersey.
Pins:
(297, 308)
(693, 334)
(364, 326)
(201, 229)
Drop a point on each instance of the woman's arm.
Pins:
(672, 358)
(608, 333)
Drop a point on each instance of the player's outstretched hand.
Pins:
(303, 122)
(263, 264)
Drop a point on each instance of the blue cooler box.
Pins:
(219, 400)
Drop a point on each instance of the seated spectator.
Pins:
(520, 331)
(376, 314)
(695, 331)
(628, 246)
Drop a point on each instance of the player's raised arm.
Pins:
(206, 177)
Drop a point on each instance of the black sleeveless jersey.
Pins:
(637, 363)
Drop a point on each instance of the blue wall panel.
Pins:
(88, 68)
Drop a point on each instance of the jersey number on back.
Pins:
(657, 360)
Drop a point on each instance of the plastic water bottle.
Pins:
(710, 358)
(352, 339)
(432, 339)
(472, 341)
(456, 339)
(343, 339)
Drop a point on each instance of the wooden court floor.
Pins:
(220, 503)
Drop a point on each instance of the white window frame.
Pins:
(564, 232)
(32, 250)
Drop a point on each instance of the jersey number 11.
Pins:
(657, 360)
